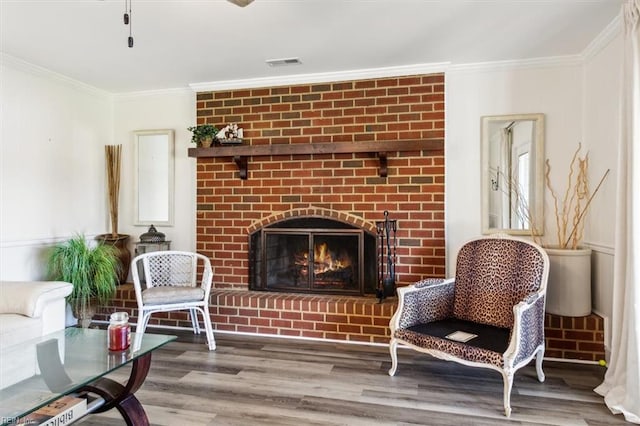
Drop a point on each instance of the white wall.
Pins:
(581, 104)
(52, 182)
(52, 178)
(172, 109)
(554, 90)
(602, 73)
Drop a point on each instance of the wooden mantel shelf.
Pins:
(239, 153)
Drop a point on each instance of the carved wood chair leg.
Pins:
(539, 358)
(508, 384)
(393, 350)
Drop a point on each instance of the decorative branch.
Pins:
(579, 219)
(573, 211)
(554, 196)
(113, 155)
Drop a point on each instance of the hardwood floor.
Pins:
(273, 381)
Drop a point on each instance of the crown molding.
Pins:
(603, 39)
(548, 62)
(150, 93)
(326, 77)
(28, 67)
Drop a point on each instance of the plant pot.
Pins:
(84, 316)
(569, 286)
(206, 142)
(122, 251)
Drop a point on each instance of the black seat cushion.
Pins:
(491, 338)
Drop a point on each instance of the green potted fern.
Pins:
(93, 271)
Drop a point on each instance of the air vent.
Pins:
(283, 62)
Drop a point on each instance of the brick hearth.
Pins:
(360, 319)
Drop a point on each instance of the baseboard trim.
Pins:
(278, 336)
(315, 339)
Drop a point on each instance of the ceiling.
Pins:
(177, 43)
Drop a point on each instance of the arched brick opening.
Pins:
(314, 211)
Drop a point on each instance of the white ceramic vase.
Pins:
(569, 286)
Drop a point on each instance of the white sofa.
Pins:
(28, 309)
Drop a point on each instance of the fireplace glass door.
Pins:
(317, 261)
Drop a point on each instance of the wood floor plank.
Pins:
(253, 380)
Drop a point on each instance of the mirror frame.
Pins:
(137, 135)
(537, 210)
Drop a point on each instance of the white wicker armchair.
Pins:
(173, 281)
(498, 295)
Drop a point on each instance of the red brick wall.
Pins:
(351, 111)
(575, 337)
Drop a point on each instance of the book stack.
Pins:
(62, 411)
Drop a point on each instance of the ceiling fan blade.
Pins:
(241, 3)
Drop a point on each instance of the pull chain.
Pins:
(128, 19)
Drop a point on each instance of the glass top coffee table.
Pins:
(73, 362)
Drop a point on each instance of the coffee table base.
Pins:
(121, 397)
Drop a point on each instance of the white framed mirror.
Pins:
(154, 176)
(513, 174)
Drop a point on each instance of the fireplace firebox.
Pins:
(313, 255)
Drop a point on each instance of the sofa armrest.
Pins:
(30, 298)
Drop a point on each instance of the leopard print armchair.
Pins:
(498, 295)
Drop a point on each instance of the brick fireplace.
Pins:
(343, 184)
(346, 186)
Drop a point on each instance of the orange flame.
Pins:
(324, 260)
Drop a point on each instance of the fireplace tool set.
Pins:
(387, 244)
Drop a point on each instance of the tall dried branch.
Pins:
(574, 206)
(581, 193)
(587, 204)
(555, 199)
(113, 155)
(571, 190)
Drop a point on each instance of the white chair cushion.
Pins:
(167, 294)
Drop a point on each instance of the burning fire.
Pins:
(324, 260)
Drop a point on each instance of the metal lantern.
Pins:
(152, 240)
